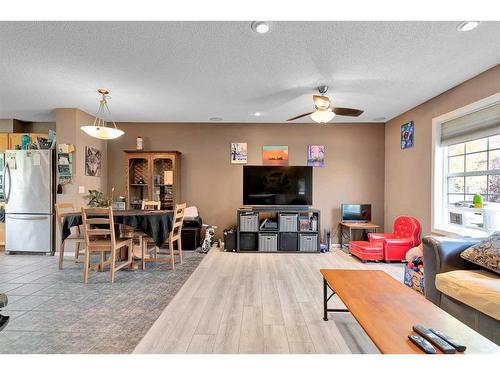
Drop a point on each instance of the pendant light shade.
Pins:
(322, 116)
(102, 132)
(99, 129)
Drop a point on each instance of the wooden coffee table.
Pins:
(387, 311)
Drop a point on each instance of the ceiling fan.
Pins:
(324, 113)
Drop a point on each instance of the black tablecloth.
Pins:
(156, 224)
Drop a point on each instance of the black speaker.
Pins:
(190, 238)
(288, 242)
(248, 241)
(230, 239)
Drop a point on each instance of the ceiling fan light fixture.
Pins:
(99, 129)
(260, 27)
(467, 25)
(322, 116)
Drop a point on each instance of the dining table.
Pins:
(156, 224)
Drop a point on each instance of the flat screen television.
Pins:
(356, 212)
(277, 185)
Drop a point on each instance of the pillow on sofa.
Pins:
(485, 253)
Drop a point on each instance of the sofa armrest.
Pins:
(442, 254)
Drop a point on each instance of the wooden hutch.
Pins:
(152, 175)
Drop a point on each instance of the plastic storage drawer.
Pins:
(289, 242)
(308, 242)
(249, 222)
(288, 222)
(268, 242)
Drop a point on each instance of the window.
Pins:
(466, 161)
(473, 168)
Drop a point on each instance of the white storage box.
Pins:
(268, 242)
(249, 222)
(288, 222)
(308, 242)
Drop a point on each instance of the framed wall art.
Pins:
(239, 153)
(275, 155)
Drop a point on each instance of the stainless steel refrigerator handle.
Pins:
(10, 183)
(29, 217)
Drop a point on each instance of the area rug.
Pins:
(52, 311)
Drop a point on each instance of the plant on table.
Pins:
(97, 199)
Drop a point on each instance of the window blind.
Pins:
(475, 125)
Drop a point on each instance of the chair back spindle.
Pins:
(94, 221)
(151, 205)
(178, 220)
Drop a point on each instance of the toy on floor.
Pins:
(323, 248)
(414, 270)
(414, 252)
(207, 242)
(417, 265)
(3, 318)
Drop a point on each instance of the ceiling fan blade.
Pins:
(321, 101)
(299, 116)
(347, 111)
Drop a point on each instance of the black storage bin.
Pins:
(191, 233)
(248, 241)
(288, 242)
(230, 239)
(192, 222)
(191, 238)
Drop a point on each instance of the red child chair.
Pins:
(389, 246)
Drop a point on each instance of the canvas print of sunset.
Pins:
(275, 155)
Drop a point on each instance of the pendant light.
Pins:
(99, 129)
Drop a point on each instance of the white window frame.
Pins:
(440, 164)
(487, 172)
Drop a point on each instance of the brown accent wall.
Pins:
(408, 173)
(353, 172)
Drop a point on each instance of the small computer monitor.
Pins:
(356, 212)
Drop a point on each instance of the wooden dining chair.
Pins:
(174, 237)
(76, 238)
(100, 238)
(139, 236)
(151, 205)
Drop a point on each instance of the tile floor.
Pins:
(52, 311)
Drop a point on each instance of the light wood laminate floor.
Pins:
(260, 303)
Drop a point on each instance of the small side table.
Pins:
(349, 227)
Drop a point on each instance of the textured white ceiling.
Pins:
(192, 71)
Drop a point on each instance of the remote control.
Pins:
(444, 346)
(459, 347)
(422, 344)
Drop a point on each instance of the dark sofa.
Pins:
(442, 255)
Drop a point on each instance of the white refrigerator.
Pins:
(29, 201)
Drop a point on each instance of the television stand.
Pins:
(297, 229)
(277, 208)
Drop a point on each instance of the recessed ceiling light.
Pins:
(257, 114)
(216, 118)
(260, 27)
(467, 25)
